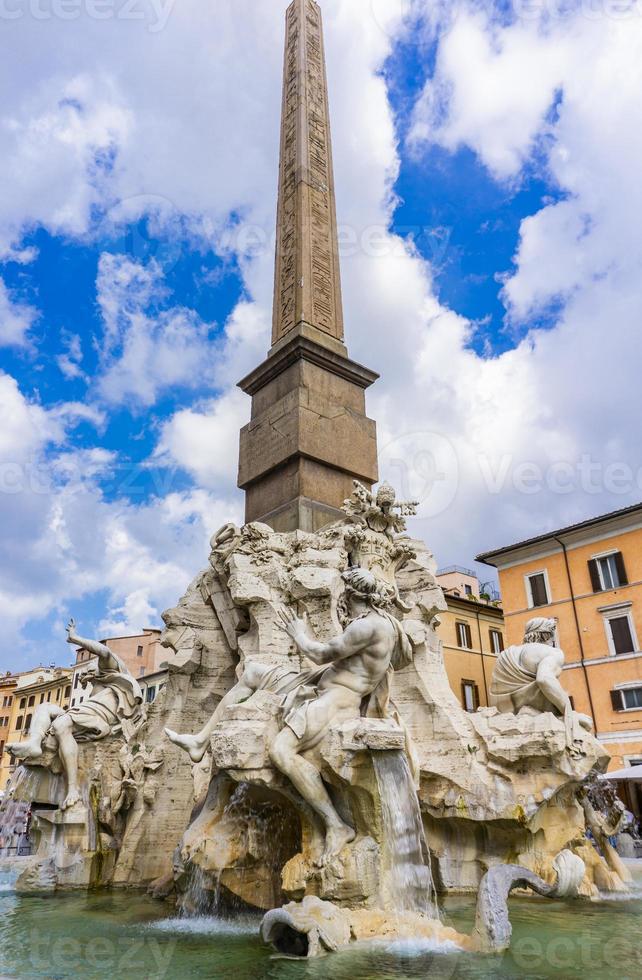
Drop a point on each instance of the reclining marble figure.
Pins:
(115, 704)
(353, 668)
(527, 676)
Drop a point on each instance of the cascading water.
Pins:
(199, 901)
(265, 833)
(15, 815)
(14, 829)
(408, 873)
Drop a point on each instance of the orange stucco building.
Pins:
(589, 578)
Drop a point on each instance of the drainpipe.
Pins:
(481, 653)
(578, 630)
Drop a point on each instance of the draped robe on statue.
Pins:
(299, 688)
(115, 701)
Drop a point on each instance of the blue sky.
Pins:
(136, 263)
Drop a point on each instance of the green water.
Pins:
(120, 935)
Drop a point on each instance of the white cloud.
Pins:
(16, 319)
(492, 89)
(145, 354)
(62, 130)
(205, 441)
(202, 141)
(70, 362)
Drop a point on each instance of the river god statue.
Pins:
(351, 668)
(115, 704)
(527, 676)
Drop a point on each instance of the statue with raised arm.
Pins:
(527, 676)
(115, 704)
(352, 674)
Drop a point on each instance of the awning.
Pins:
(630, 774)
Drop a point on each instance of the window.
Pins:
(537, 591)
(496, 641)
(150, 695)
(76, 680)
(464, 636)
(626, 699)
(42, 698)
(607, 572)
(1, 749)
(27, 724)
(58, 695)
(19, 721)
(468, 589)
(23, 703)
(141, 671)
(48, 695)
(32, 700)
(469, 695)
(67, 692)
(620, 631)
(139, 652)
(4, 722)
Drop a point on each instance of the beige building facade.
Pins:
(142, 654)
(20, 696)
(472, 633)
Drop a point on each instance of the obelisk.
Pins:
(309, 436)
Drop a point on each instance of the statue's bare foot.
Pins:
(336, 839)
(25, 751)
(73, 797)
(189, 744)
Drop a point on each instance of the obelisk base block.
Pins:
(308, 439)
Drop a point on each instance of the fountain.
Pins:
(360, 812)
(307, 759)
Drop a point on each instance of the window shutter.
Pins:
(621, 569)
(469, 637)
(538, 590)
(616, 700)
(621, 633)
(476, 697)
(594, 572)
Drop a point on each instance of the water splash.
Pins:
(409, 876)
(206, 925)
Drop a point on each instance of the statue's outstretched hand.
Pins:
(71, 631)
(292, 624)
